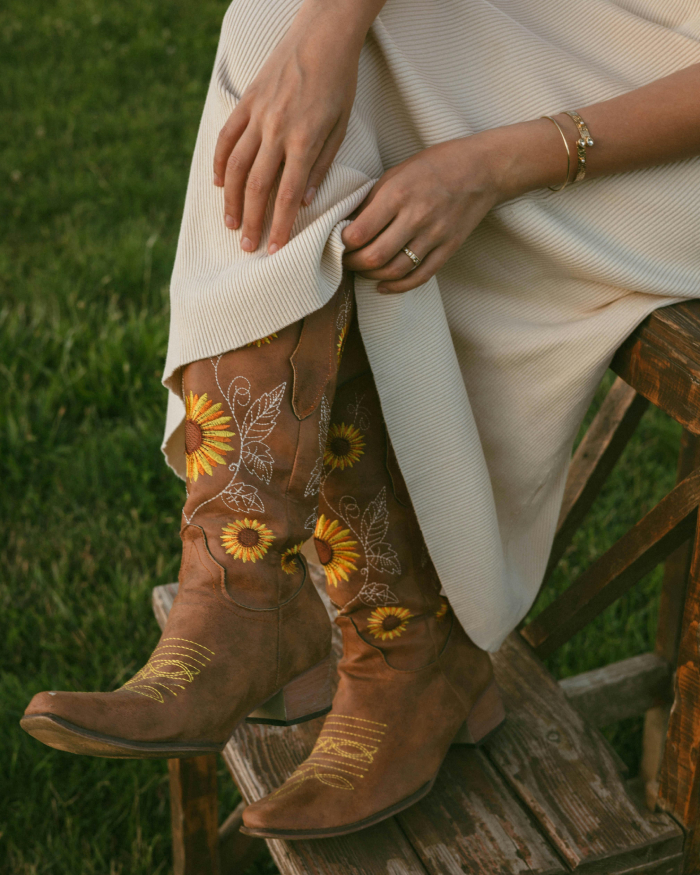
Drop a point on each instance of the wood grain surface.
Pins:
(661, 360)
(594, 459)
(649, 542)
(679, 791)
(562, 771)
(621, 689)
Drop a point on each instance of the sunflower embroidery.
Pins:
(388, 623)
(341, 341)
(442, 610)
(246, 539)
(289, 562)
(206, 435)
(335, 550)
(262, 341)
(344, 446)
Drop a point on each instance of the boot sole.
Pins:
(463, 737)
(63, 735)
(291, 705)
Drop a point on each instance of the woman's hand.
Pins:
(292, 116)
(432, 202)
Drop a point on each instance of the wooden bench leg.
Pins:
(679, 780)
(668, 633)
(194, 810)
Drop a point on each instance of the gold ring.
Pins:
(414, 258)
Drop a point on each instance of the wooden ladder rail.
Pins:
(659, 362)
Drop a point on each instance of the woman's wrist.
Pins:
(525, 157)
(344, 21)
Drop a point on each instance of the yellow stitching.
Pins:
(182, 669)
(198, 645)
(347, 717)
(337, 769)
(363, 728)
(365, 753)
(342, 762)
(354, 734)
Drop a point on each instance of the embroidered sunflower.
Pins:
(246, 539)
(289, 561)
(341, 341)
(388, 623)
(262, 341)
(335, 550)
(344, 446)
(206, 435)
(442, 610)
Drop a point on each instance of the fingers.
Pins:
(379, 259)
(324, 160)
(236, 170)
(289, 198)
(257, 193)
(229, 135)
(430, 265)
(376, 214)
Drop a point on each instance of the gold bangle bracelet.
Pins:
(568, 153)
(584, 140)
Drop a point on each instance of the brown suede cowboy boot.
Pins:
(411, 682)
(247, 636)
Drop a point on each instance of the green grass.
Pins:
(99, 106)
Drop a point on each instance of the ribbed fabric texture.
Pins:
(486, 371)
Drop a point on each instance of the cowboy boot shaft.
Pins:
(247, 626)
(368, 538)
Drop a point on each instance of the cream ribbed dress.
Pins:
(485, 371)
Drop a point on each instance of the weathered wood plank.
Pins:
(470, 822)
(260, 758)
(639, 550)
(661, 360)
(594, 459)
(679, 780)
(562, 771)
(668, 632)
(620, 690)
(194, 813)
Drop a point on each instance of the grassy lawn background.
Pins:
(99, 106)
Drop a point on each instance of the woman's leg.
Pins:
(247, 620)
(409, 677)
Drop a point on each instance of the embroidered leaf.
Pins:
(243, 497)
(385, 560)
(376, 595)
(311, 521)
(258, 459)
(373, 529)
(261, 416)
(375, 521)
(314, 484)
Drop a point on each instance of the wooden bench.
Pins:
(546, 794)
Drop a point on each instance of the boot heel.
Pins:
(486, 715)
(305, 697)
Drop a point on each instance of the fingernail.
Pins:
(309, 196)
(218, 180)
(272, 248)
(382, 289)
(247, 244)
(230, 222)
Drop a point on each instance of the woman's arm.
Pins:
(652, 125)
(434, 200)
(292, 116)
